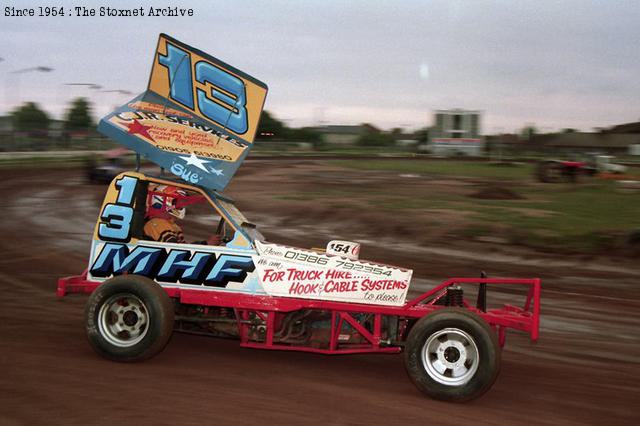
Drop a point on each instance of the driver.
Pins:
(162, 212)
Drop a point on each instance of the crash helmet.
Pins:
(163, 200)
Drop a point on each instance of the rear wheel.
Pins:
(550, 172)
(129, 318)
(452, 355)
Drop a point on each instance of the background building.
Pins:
(341, 134)
(456, 132)
(618, 140)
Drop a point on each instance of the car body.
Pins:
(273, 296)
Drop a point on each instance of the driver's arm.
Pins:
(163, 230)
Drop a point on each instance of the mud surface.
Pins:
(584, 370)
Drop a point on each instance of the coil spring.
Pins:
(455, 295)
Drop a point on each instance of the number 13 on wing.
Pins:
(207, 87)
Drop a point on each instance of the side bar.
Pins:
(526, 318)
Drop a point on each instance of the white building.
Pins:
(456, 132)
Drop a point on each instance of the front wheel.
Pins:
(129, 318)
(452, 355)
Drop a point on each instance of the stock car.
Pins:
(272, 296)
(197, 120)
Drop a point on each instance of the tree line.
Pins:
(30, 118)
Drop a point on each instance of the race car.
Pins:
(103, 168)
(591, 164)
(148, 278)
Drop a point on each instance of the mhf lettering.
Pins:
(172, 266)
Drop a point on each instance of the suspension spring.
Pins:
(455, 295)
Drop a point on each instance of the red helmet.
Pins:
(163, 200)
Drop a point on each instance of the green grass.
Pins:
(589, 216)
(442, 167)
(63, 162)
(585, 217)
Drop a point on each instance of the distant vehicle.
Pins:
(553, 171)
(108, 165)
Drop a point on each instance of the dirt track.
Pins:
(584, 370)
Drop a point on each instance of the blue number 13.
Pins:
(225, 103)
(116, 218)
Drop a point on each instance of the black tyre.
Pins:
(129, 318)
(550, 172)
(452, 355)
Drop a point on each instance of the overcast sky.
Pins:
(556, 64)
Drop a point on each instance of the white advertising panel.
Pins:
(292, 272)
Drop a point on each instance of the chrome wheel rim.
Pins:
(123, 320)
(450, 357)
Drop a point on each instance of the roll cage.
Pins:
(245, 232)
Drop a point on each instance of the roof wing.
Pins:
(198, 117)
